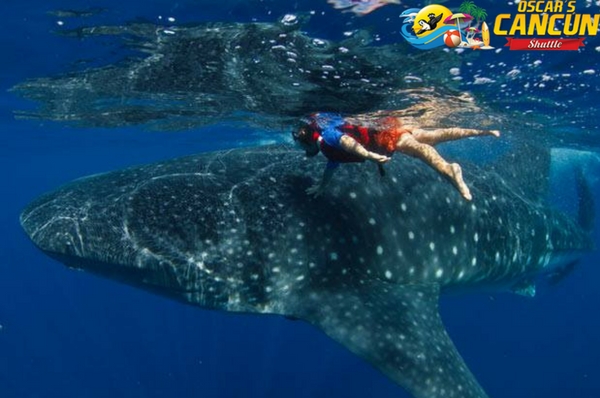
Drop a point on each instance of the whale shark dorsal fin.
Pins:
(398, 330)
(526, 169)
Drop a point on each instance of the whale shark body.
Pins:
(365, 263)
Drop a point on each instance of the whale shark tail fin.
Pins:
(399, 331)
(586, 211)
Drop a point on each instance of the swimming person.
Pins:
(345, 141)
(361, 7)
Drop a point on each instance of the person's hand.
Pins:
(315, 191)
(377, 158)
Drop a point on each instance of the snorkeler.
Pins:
(344, 142)
(361, 7)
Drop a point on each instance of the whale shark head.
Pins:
(365, 263)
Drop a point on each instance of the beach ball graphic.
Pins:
(452, 38)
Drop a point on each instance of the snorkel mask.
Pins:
(308, 139)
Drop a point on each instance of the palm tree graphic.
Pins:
(478, 13)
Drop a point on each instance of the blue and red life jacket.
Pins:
(363, 135)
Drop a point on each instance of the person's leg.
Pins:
(409, 145)
(436, 136)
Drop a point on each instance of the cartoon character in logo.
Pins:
(429, 25)
(424, 28)
(409, 15)
(437, 26)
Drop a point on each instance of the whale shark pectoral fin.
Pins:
(524, 288)
(398, 330)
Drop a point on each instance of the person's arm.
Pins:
(352, 146)
(317, 189)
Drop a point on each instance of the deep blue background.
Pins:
(70, 334)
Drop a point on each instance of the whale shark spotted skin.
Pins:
(365, 263)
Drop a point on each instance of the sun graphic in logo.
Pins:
(430, 18)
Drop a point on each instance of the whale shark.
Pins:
(365, 263)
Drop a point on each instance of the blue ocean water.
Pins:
(70, 334)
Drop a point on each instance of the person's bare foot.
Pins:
(495, 133)
(460, 183)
